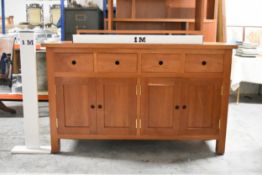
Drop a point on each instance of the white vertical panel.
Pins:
(29, 82)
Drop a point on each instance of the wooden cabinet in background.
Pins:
(138, 92)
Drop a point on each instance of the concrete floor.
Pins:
(243, 149)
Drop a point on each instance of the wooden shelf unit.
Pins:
(152, 20)
(137, 32)
(159, 15)
(189, 17)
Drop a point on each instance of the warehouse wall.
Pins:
(244, 13)
(16, 8)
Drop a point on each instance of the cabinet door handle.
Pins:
(177, 107)
(99, 106)
(92, 106)
(184, 106)
(204, 63)
(73, 62)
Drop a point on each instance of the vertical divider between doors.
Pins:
(139, 96)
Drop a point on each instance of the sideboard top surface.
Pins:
(213, 45)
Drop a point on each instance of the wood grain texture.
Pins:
(221, 142)
(110, 14)
(159, 101)
(77, 100)
(55, 141)
(156, 62)
(206, 47)
(141, 30)
(200, 106)
(116, 62)
(210, 31)
(117, 105)
(74, 62)
(141, 100)
(204, 63)
(162, 20)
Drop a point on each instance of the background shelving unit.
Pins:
(160, 17)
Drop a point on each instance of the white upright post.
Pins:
(30, 96)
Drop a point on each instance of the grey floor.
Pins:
(243, 149)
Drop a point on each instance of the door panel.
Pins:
(159, 114)
(201, 106)
(76, 105)
(117, 106)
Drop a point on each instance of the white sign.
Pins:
(138, 39)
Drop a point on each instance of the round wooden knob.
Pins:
(177, 107)
(184, 106)
(204, 63)
(99, 106)
(117, 62)
(92, 106)
(161, 62)
(73, 62)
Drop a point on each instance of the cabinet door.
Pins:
(160, 106)
(76, 100)
(117, 106)
(200, 106)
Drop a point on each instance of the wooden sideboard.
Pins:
(139, 92)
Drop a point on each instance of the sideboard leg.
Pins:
(55, 145)
(220, 147)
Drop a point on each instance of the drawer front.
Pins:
(116, 62)
(162, 63)
(74, 63)
(204, 63)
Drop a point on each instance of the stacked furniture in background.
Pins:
(54, 14)
(161, 17)
(6, 51)
(9, 23)
(82, 18)
(34, 14)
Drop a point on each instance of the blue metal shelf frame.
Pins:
(62, 19)
(104, 8)
(3, 16)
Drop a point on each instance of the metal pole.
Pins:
(3, 16)
(62, 8)
(104, 8)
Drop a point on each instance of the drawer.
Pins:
(74, 63)
(116, 62)
(204, 63)
(162, 63)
